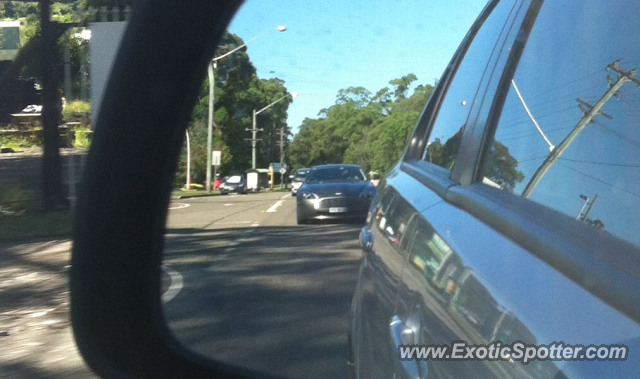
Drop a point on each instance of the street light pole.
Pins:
(210, 69)
(254, 130)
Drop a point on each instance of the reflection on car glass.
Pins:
(446, 135)
(567, 136)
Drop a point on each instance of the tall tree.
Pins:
(359, 128)
(238, 92)
(402, 85)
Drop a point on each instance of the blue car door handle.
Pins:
(401, 335)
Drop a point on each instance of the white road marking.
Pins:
(255, 225)
(274, 207)
(176, 284)
(180, 206)
(285, 196)
(228, 205)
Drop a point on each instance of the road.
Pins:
(247, 286)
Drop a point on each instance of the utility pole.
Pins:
(586, 201)
(254, 134)
(254, 129)
(52, 196)
(586, 215)
(552, 158)
(282, 145)
(211, 71)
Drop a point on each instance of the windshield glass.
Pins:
(335, 174)
(234, 179)
(301, 174)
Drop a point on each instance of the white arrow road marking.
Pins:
(176, 284)
(180, 206)
(274, 207)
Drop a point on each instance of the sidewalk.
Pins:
(35, 335)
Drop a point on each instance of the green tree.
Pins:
(361, 128)
(238, 92)
(402, 85)
(503, 167)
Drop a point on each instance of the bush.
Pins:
(75, 110)
(20, 141)
(83, 138)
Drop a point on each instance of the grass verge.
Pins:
(36, 225)
(185, 194)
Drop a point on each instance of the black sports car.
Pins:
(334, 192)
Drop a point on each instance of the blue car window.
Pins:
(567, 136)
(446, 134)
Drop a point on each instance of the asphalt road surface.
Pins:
(245, 285)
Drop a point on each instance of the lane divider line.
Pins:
(180, 206)
(176, 284)
(274, 207)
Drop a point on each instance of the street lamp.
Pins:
(254, 130)
(210, 69)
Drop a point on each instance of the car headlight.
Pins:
(310, 196)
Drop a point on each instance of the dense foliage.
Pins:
(367, 129)
(238, 92)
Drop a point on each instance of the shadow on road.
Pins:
(35, 338)
(276, 302)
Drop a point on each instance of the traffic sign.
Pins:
(216, 158)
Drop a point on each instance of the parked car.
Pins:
(488, 229)
(234, 183)
(297, 179)
(333, 192)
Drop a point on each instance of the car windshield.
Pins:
(335, 174)
(234, 179)
(301, 174)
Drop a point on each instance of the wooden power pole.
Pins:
(589, 114)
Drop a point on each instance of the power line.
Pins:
(581, 78)
(600, 163)
(600, 180)
(623, 77)
(529, 134)
(619, 135)
(543, 105)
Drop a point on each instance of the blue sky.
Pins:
(334, 44)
